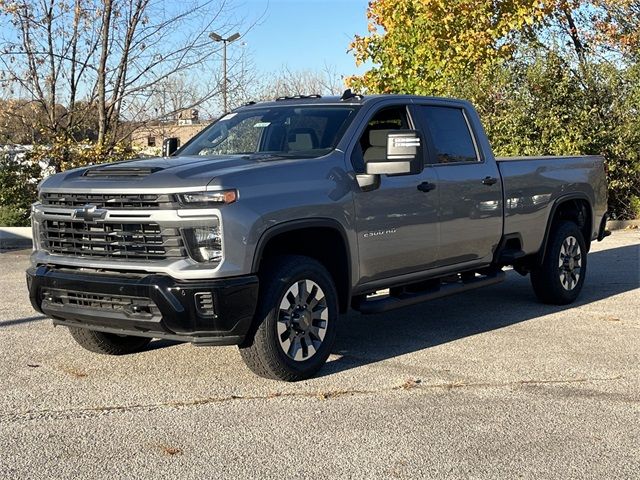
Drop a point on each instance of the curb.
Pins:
(15, 237)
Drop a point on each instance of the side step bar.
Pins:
(443, 290)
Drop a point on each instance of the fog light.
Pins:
(204, 304)
(205, 244)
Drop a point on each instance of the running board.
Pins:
(443, 290)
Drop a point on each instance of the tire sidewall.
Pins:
(564, 230)
(306, 269)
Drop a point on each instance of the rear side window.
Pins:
(450, 133)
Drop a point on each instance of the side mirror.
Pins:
(169, 146)
(403, 155)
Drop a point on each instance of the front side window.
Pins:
(301, 131)
(450, 134)
(372, 145)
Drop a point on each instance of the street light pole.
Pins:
(225, 41)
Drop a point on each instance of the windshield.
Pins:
(301, 131)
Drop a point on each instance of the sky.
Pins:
(305, 34)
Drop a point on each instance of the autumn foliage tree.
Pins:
(555, 77)
(422, 46)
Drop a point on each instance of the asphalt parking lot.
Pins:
(489, 384)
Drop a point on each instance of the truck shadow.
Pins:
(366, 339)
(19, 321)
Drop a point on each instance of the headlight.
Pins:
(203, 199)
(204, 244)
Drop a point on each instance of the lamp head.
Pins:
(215, 37)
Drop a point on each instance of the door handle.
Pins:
(426, 187)
(489, 181)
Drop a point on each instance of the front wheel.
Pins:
(559, 280)
(295, 321)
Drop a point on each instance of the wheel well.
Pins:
(577, 211)
(324, 244)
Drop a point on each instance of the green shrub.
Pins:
(634, 206)
(18, 189)
(14, 217)
(19, 175)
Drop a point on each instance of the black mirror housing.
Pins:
(169, 146)
(404, 155)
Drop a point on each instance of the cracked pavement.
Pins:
(488, 384)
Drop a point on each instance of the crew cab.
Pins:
(265, 227)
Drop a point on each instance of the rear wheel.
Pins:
(295, 321)
(108, 343)
(559, 279)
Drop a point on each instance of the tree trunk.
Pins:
(103, 120)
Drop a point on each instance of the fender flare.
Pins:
(303, 224)
(554, 208)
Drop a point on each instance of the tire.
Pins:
(108, 343)
(292, 337)
(559, 280)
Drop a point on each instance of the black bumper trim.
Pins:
(234, 301)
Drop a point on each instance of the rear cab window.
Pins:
(450, 132)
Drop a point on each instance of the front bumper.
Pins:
(204, 312)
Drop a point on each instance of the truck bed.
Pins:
(532, 184)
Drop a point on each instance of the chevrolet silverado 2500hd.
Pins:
(272, 221)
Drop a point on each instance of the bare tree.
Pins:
(288, 82)
(108, 54)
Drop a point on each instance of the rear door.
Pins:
(397, 223)
(469, 187)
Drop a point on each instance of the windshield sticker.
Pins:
(262, 124)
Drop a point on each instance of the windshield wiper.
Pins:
(273, 155)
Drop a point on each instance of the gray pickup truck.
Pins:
(281, 215)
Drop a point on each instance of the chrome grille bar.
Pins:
(142, 241)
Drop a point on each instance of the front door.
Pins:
(397, 223)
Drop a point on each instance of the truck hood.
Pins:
(172, 174)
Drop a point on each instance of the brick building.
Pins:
(148, 139)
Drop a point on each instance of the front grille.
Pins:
(130, 306)
(109, 200)
(136, 241)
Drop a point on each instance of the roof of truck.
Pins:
(347, 98)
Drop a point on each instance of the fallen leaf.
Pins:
(411, 383)
(74, 372)
(171, 450)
